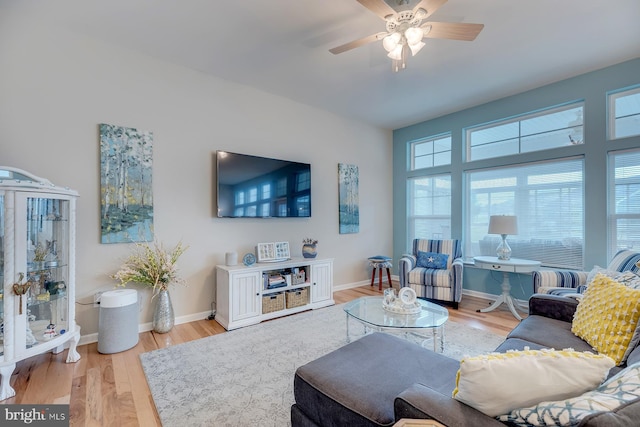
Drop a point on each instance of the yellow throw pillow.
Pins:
(498, 383)
(607, 317)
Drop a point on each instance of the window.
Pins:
(429, 201)
(303, 181)
(429, 152)
(281, 187)
(551, 128)
(624, 113)
(624, 201)
(547, 198)
(303, 205)
(266, 191)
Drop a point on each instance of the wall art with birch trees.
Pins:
(126, 184)
(348, 178)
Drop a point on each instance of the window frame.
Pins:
(612, 215)
(468, 131)
(611, 110)
(518, 205)
(412, 151)
(411, 218)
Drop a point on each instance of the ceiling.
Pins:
(282, 47)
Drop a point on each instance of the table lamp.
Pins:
(503, 225)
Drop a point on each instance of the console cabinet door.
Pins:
(321, 282)
(245, 296)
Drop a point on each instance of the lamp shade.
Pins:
(503, 224)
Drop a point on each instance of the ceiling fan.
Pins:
(406, 29)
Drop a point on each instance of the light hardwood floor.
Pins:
(111, 390)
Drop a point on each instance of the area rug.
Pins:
(245, 377)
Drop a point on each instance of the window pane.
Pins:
(266, 191)
(624, 201)
(625, 112)
(547, 198)
(429, 152)
(303, 181)
(429, 207)
(554, 127)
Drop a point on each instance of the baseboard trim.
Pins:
(144, 327)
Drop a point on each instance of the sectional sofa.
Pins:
(380, 379)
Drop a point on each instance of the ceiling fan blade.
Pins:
(357, 43)
(430, 6)
(379, 7)
(453, 31)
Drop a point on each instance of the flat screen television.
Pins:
(261, 187)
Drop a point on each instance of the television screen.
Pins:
(260, 187)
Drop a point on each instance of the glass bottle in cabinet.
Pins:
(37, 259)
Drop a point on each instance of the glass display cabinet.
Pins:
(37, 269)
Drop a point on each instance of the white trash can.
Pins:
(118, 322)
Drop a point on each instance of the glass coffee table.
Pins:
(428, 324)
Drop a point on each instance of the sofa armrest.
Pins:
(553, 306)
(405, 265)
(558, 279)
(422, 402)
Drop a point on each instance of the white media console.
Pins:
(249, 295)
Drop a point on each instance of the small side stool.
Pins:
(378, 263)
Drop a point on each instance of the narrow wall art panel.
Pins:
(126, 196)
(348, 178)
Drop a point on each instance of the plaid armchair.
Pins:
(444, 284)
(562, 282)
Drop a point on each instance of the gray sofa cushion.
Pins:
(356, 385)
(625, 416)
(549, 333)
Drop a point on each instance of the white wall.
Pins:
(56, 87)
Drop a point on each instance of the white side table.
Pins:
(513, 265)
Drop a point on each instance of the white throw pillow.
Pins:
(498, 383)
(611, 395)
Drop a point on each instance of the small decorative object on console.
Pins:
(249, 259)
(309, 248)
(273, 252)
(404, 303)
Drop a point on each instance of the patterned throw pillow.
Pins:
(432, 260)
(627, 278)
(501, 382)
(607, 318)
(610, 396)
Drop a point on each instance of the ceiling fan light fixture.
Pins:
(396, 53)
(414, 35)
(415, 48)
(391, 41)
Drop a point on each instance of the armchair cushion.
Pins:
(432, 260)
(430, 276)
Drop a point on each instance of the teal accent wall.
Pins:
(592, 88)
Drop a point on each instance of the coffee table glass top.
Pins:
(369, 310)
